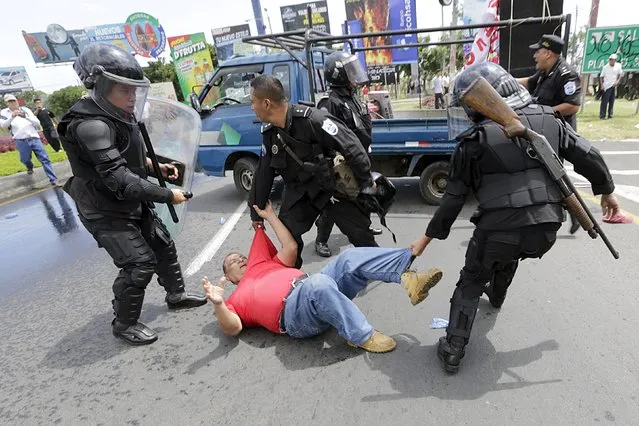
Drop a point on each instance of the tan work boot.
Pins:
(417, 284)
(378, 343)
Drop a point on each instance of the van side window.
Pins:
(283, 74)
(233, 84)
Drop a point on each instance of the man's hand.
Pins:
(267, 213)
(169, 171)
(178, 196)
(215, 293)
(609, 205)
(417, 247)
(257, 224)
(17, 113)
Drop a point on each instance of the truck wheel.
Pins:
(432, 182)
(243, 172)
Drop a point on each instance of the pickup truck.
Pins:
(412, 143)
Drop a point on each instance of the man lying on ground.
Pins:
(272, 294)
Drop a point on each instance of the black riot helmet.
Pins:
(115, 80)
(515, 95)
(343, 70)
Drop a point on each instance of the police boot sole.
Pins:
(137, 336)
(190, 302)
(442, 355)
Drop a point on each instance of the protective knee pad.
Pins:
(462, 316)
(141, 274)
(128, 305)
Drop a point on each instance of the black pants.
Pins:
(493, 257)
(54, 142)
(439, 100)
(139, 248)
(347, 215)
(607, 102)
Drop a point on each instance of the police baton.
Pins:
(156, 168)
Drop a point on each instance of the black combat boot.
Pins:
(450, 353)
(182, 300)
(376, 231)
(125, 325)
(322, 249)
(170, 277)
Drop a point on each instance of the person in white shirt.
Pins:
(24, 129)
(438, 88)
(608, 81)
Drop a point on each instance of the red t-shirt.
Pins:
(258, 298)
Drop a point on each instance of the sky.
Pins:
(192, 16)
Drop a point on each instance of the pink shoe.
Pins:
(618, 218)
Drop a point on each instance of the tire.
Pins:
(432, 182)
(243, 172)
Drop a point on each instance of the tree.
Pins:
(213, 53)
(576, 47)
(63, 99)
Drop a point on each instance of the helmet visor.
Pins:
(354, 71)
(120, 97)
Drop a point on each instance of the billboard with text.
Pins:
(294, 17)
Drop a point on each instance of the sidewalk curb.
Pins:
(22, 183)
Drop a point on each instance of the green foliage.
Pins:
(61, 100)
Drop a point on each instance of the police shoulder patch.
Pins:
(570, 88)
(329, 127)
(266, 127)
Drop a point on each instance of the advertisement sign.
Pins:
(294, 17)
(109, 34)
(383, 15)
(603, 42)
(192, 61)
(164, 90)
(14, 79)
(381, 74)
(486, 44)
(228, 41)
(145, 35)
(56, 45)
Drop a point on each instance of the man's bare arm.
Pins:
(230, 322)
(566, 109)
(523, 81)
(288, 253)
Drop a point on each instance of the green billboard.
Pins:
(600, 43)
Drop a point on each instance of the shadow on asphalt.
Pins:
(93, 342)
(414, 371)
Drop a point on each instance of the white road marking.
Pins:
(216, 242)
(620, 152)
(569, 167)
(629, 192)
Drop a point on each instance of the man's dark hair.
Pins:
(269, 87)
(37, 99)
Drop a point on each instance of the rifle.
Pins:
(156, 168)
(483, 98)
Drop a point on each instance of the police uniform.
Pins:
(559, 85)
(310, 133)
(343, 104)
(520, 208)
(114, 200)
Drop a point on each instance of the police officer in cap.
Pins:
(520, 206)
(344, 73)
(555, 84)
(298, 144)
(114, 200)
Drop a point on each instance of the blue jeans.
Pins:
(324, 299)
(26, 146)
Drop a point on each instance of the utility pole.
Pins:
(594, 11)
(453, 47)
(257, 13)
(268, 18)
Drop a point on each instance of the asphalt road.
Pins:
(562, 350)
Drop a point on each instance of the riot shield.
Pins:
(174, 130)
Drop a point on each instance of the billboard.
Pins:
(228, 41)
(110, 34)
(56, 45)
(145, 35)
(14, 79)
(294, 17)
(604, 41)
(381, 74)
(164, 90)
(366, 16)
(192, 61)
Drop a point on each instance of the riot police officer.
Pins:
(555, 84)
(113, 198)
(298, 144)
(520, 206)
(343, 73)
